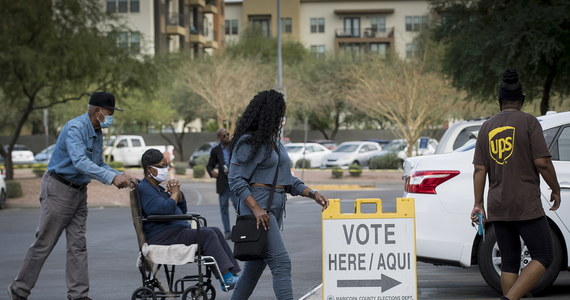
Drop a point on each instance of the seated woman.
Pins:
(157, 200)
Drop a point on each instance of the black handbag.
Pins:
(250, 242)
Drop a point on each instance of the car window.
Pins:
(346, 148)
(310, 149)
(464, 135)
(20, 148)
(136, 142)
(293, 149)
(317, 149)
(122, 143)
(564, 145)
(205, 147)
(549, 135)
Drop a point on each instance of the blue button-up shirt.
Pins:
(78, 154)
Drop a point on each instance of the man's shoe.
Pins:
(13, 295)
(227, 235)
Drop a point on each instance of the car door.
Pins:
(136, 151)
(120, 152)
(560, 151)
(315, 154)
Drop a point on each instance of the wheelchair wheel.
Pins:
(194, 293)
(143, 293)
(209, 292)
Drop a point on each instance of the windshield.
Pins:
(111, 141)
(294, 149)
(346, 148)
(394, 146)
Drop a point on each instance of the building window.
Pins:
(135, 6)
(317, 25)
(416, 23)
(286, 25)
(123, 6)
(124, 39)
(352, 26)
(378, 24)
(232, 27)
(411, 50)
(111, 6)
(135, 42)
(354, 49)
(318, 50)
(262, 24)
(379, 48)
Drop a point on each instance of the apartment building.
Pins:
(357, 26)
(157, 26)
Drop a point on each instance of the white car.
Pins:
(442, 186)
(425, 146)
(21, 154)
(351, 153)
(312, 151)
(457, 135)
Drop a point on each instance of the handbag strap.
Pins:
(274, 184)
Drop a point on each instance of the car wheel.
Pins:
(356, 162)
(489, 259)
(2, 199)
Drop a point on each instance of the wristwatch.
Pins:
(312, 194)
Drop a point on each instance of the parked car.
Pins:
(382, 143)
(329, 144)
(201, 151)
(3, 193)
(425, 146)
(312, 151)
(351, 153)
(457, 135)
(45, 155)
(442, 186)
(128, 149)
(21, 154)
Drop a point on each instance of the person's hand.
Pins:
(214, 174)
(555, 199)
(131, 181)
(321, 200)
(173, 186)
(121, 181)
(262, 217)
(478, 210)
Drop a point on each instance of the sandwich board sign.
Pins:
(369, 256)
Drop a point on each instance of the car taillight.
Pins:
(425, 182)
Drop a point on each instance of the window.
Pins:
(411, 50)
(124, 39)
(352, 26)
(123, 6)
(135, 6)
(564, 145)
(286, 25)
(379, 48)
(318, 50)
(111, 6)
(262, 24)
(135, 42)
(378, 23)
(232, 27)
(416, 23)
(136, 143)
(317, 25)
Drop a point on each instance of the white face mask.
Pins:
(162, 174)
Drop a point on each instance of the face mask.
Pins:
(162, 174)
(107, 122)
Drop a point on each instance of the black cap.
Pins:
(103, 99)
(510, 88)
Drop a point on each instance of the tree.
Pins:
(482, 38)
(404, 93)
(55, 52)
(225, 84)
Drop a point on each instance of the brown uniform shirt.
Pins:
(507, 145)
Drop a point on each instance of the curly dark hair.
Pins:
(261, 120)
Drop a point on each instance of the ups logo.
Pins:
(501, 141)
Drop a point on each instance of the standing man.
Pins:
(78, 158)
(512, 152)
(220, 159)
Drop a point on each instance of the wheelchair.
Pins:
(152, 257)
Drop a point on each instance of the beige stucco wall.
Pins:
(289, 9)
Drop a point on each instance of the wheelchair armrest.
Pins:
(164, 218)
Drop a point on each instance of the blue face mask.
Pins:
(107, 122)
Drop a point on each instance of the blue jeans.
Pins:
(224, 198)
(279, 263)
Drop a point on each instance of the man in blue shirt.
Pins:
(78, 158)
(220, 159)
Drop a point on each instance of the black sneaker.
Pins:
(13, 295)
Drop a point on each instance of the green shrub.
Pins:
(337, 172)
(387, 161)
(199, 171)
(355, 170)
(202, 160)
(303, 163)
(39, 169)
(180, 168)
(13, 189)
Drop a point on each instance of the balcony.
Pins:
(211, 7)
(365, 33)
(211, 44)
(196, 36)
(200, 3)
(175, 24)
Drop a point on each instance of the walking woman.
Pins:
(259, 159)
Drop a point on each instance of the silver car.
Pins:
(351, 153)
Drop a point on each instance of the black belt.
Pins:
(66, 182)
